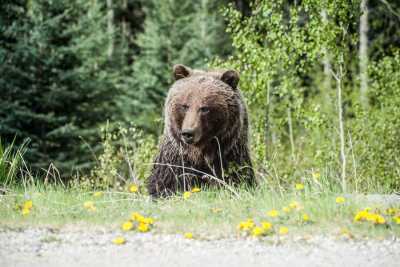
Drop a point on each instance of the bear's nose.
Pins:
(188, 135)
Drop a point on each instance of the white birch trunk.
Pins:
(110, 27)
(339, 77)
(363, 53)
(327, 83)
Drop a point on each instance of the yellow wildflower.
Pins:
(89, 205)
(25, 211)
(126, 226)
(133, 188)
(143, 227)
(98, 194)
(136, 216)
(119, 240)
(266, 226)
(273, 213)
(299, 186)
(365, 215)
(188, 235)
(246, 225)
(283, 230)
(257, 231)
(28, 204)
(187, 195)
(379, 219)
(286, 209)
(147, 220)
(196, 190)
(396, 219)
(340, 200)
(295, 205)
(316, 175)
(361, 216)
(305, 217)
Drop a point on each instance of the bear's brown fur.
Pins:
(205, 136)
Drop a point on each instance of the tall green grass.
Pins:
(11, 159)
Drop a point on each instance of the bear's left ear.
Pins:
(181, 71)
(231, 78)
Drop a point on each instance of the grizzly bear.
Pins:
(205, 139)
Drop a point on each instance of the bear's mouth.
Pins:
(189, 136)
(188, 141)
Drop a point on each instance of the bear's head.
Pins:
(202, 105)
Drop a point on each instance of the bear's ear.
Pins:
(231, 78)
(181, 71)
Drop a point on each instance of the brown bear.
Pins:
(205, 139)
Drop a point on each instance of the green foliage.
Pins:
(376, 131)
(280, 51)
(126, 158)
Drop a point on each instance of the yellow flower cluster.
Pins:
(138, 221)
(26, 207)
(395, 213)
(249, 227)
(366, 215)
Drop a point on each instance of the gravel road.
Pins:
(66, 247)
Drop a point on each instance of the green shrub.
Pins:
(125, 159)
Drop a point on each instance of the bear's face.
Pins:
(201, 105)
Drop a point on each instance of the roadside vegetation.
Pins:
(206, 214)
(81, 113)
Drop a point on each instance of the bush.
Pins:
(125, 159)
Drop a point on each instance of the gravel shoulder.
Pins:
(66, 247)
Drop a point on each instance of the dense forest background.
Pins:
(82, 84)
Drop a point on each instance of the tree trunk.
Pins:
(327, 82)
(289, 118)
(339, 77)
(363, 53)
(267, 126)
(110, 27)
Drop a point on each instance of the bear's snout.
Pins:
(188, 136)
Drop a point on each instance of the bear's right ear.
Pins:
(231, 78)
(181, 71)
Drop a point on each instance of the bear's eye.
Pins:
(204, 110)
(184, 108)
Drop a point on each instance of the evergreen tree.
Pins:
(56, 83)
